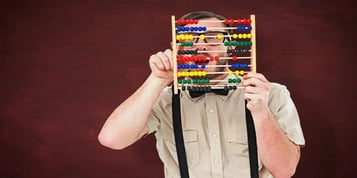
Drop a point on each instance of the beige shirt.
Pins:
(215, 133)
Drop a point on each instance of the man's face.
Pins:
(216, 48)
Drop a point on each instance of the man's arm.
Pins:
(278, 154)
(127, 123)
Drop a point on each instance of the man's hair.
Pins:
(204, 14)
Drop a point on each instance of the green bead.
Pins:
(239, 80)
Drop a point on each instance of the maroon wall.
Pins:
(64, 66)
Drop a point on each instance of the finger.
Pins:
(164, 60)
(254, 98)
(156, 62)
(252, 82)
(168, 52)
(255, 75)
(254, 90)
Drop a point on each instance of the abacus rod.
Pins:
(214, 86)
(222, 65)
(174, 53)
(214, 51)
(253, 47)
(231, 58)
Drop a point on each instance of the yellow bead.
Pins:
(202, 37)
(191, 37)
(177, 37)
(230, 72)
(219, 36)
(203, 73)
(195, 73)
(249, 35)
(242, 72)
(235, 36)
(182, 37)
(187, 74)
(240, 36)
(237, 72)
(244, 36)
(191, 74)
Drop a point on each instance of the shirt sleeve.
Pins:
(286, 113)
(159, 111)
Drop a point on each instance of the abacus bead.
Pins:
(183, 88)
(235, 36)
(231, 21)
(238, 21)
(226, 21)
(230, 88)
(216, 58)
(230, 72)
(239, 80)
(234, 87)
(226, 88)
(195, 21)
(203, 66)
(248, 21)
(234, 58)
(219, 36)
(229, 80)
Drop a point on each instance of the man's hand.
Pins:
(256, 92)
(161, 65)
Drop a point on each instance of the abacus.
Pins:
(241, 53)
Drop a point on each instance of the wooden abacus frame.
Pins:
(253, 66)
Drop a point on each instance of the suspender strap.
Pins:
(179, 142)
(252, 144)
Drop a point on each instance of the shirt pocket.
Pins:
(191, 145)
(238, 150)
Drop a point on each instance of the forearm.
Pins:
(278, 154)
(125, 125)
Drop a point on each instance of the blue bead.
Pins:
(192, 29)
(203, 66)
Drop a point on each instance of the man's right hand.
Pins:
(161, 65)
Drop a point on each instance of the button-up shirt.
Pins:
(215, 133)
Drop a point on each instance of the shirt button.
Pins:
(214, 135)
(211, 110)
(216, 161)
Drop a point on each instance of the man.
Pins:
(213, 125)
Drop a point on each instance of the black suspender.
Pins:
(252, 144)
(180, 144)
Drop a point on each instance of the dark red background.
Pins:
(64, 66)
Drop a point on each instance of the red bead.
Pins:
(238, 21)
(216, 58)
(231, 21)
(225, 21)
(203, 58)
(249, 21)
(234, 58)
(195, 21)
(211, 58)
